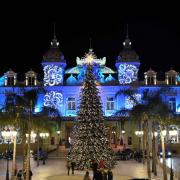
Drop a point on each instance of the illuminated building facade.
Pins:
(62, 87)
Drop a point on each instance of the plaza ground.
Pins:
(55, 169)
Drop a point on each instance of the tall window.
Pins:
(110, 103)
(31, 81)
(172, 80)
(10, 81)
(71, 103)
(150, 80)
(172, 104)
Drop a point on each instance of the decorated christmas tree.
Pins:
(89, 137)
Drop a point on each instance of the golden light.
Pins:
(89, 58)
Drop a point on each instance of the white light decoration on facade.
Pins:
(127, 73)
(53, 75)
(53, 99)
(129, 102)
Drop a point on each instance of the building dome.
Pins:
(171, 72)
(54, 54)
(128, 54)
(150, 72)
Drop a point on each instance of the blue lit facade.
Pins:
(62, 85)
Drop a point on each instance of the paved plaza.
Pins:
(55, 169)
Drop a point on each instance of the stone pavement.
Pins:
(55, 169)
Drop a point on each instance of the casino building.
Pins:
(62, 87)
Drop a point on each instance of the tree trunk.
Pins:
(24, 146)
(144, 142)
(154, 152)
(29, 141)
(14, 159)
(28, 155)
(38, 148)
(147, 148)
(163, 154)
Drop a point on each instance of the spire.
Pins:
(127, 32)
(54, 30)
(54, 42)
(90, 45)
(127, 42)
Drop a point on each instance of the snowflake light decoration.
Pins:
(53, 99)
(127, 73)
(129, 103)
(53, 75)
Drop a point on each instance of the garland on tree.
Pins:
(89, 136)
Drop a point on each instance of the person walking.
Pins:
(68, 165)
(73, 166)
(86, 176)
(94, 167)
(109, 175)
(101, 164)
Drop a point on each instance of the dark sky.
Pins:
(27, 29)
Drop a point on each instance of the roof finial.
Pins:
(127, 42)
(54, 30)
(90, 45)
(127, 32)
(54, 42)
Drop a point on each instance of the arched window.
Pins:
(10, 78)
(150, 77)
(71, 103)
(31, 78)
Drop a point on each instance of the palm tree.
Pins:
(43, 122)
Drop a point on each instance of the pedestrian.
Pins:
(110, 175)
(104, 175)
(96, 175)
(68, 165)
(94, 167)
(15, 170)
(100, 174)
(73, 166)
(44, 159)
(30, 174)
(86, 176)
(19, 174)
(101, 164)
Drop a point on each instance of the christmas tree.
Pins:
(89, 137)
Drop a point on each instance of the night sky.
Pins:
(26, 33)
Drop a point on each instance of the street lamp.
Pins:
(8, 136)
(59, 140)
(172, 132)
(139, 134)
(44, 136)
(32, 136)
(114, 136)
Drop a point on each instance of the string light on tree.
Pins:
(89, 137)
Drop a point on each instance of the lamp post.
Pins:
(44, 136)
(172, 132)
(122, 136)
(30, 139)
(58, 141)
(114, 137)
(8, 136)
(139, 134)
(58, 133)
(154, 152)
